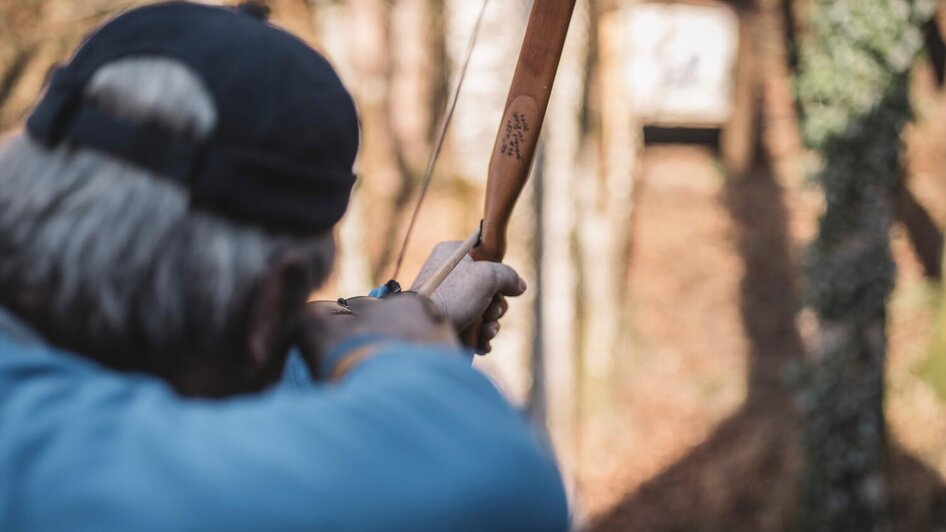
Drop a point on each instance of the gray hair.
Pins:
(113, 256)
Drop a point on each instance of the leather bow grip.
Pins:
(521, 125)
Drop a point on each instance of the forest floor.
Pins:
(702, 432)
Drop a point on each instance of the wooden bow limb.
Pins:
(518, 137)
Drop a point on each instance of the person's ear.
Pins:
(275, 311)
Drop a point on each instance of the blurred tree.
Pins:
(18, 48)
(936, 49)
(852, 88)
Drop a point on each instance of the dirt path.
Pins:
(707, 255)
(705, 432)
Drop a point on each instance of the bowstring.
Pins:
(441, 136)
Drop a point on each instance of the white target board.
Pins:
(682, 63)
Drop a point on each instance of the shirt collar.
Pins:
(13, 328)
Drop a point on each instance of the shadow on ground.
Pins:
(743, 477)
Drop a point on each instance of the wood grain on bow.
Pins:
(521, 125)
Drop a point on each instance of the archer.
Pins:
(162, 221)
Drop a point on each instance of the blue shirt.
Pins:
(412, 439)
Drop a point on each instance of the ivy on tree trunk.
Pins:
(853, 93)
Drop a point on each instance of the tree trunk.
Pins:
(853, 93)
(562, 162)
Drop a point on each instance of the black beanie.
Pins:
(286, 137)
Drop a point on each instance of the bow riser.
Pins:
(519, 131)
(520, 128)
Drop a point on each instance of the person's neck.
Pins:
(202, 376)
(29, 320)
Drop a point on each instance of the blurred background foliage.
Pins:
(685, 349)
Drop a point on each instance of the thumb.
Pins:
(505, 280)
